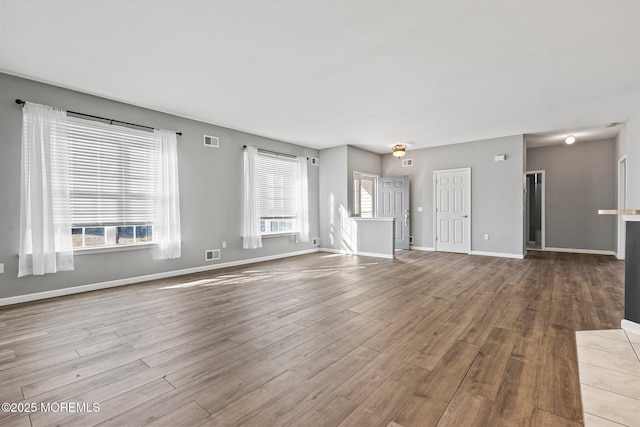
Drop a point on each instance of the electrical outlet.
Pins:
(1, 268)
(224, 245)
(486, 237)
(316, 241)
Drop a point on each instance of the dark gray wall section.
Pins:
(210, 186)
(581, 178)
(496, 191)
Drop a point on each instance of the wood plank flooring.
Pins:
(427, 339)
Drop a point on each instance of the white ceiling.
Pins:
(556, 137)
(323, 73)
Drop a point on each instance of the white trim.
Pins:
(580, 251)
(621, 203)
(422, 248)
(497, 254)
(630, 326)
(131, 280)
(88, 250)
(371, 218)
(344, 252)
(543, 208)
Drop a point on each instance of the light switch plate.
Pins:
(1, 268)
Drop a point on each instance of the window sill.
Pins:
(286, 233)
(118, 248)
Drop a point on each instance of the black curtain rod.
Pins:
(112, 121)
(293, 156)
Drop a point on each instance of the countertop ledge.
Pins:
(619, 212)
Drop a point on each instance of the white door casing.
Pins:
(622, 204)
(452, 217)
(543, 208)
(393, 201)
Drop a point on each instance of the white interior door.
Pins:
(453, 210)
(393, 201)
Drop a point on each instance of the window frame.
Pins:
(269, 219)
(110, 229)
(357, 194)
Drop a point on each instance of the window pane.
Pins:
(144, 233)
(76, 237)
(111, 174)
(124, 235)
(263, 227)
(367, 196)
(94, 236)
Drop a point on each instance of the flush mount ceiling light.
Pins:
(399, 150)
(570, 139)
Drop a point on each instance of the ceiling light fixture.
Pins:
(399, 150)
(570, 139)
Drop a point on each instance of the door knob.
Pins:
(466, 216)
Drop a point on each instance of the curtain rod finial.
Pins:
(20, 101)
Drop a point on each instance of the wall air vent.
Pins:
(211, 141)
(212, 254)
(407, 162)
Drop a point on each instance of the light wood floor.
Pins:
(319, 340)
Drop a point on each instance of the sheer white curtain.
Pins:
(302, 193)
(45, 219)
(166, 228)
(251, 237)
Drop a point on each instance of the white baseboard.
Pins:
(345, 252)
(422, 248)
(580, 251)
(630, 326)
(497, 254)
(131, 280)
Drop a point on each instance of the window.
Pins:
(277, 178)
(364, 194)
(112, 181)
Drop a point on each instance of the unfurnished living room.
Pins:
(320, 213)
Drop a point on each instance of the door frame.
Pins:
(407, 209)
(623, 187)
(543, 214)
(435, 206)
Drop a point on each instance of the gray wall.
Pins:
(359, 160)
(496, 191)
(210, 185)
(630, 145)
(580, 179)
(337, 165)
(333, 196)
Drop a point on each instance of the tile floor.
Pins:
(609, 364)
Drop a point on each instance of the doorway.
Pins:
(393, 201)
(452, 219)
(535, 210)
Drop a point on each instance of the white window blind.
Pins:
(112, 174)
(277, 178)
